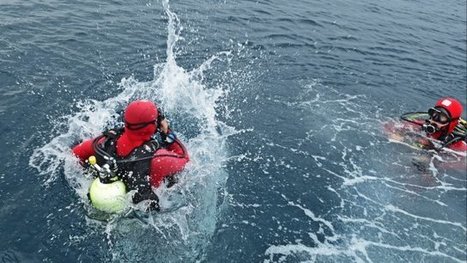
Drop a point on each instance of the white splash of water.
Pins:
(191, 205)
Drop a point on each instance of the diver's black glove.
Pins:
(153, 206)
(147, 194)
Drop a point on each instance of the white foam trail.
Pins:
(439, 221)
(357, 251)
(369, 183)
(311, 215)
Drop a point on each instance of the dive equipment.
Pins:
(106, 192)
(439, 115)
(417, 118)
(108, 197)
(429, 127)
(171, 137)
(422, 119)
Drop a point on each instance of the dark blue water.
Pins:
(280, 104)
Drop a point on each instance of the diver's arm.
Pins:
(84, 150)
(167, 162)
(460, 146)
(171, 142)
(178, 148)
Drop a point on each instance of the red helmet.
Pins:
(454, 108)
(140, 125)
(139, 114)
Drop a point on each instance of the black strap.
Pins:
(411, 117)
(111, 136)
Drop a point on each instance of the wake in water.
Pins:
(189, 209)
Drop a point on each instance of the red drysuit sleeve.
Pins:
(460, 146)
(168, 161)
(84, 150)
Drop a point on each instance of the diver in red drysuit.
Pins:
(443, 128)
(444, 118)
(141, 161)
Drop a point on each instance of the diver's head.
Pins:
(444, 117)
(141, 119)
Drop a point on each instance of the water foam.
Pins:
(387, 208)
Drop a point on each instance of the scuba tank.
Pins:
(106, 193)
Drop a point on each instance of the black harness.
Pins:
(133, 169)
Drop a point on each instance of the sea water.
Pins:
(281, 106)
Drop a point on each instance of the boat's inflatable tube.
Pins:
(109, 197)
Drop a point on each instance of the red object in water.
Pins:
(405, 131)
(459, 146)
(141, 120)
(166, 161)
(454, 108)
